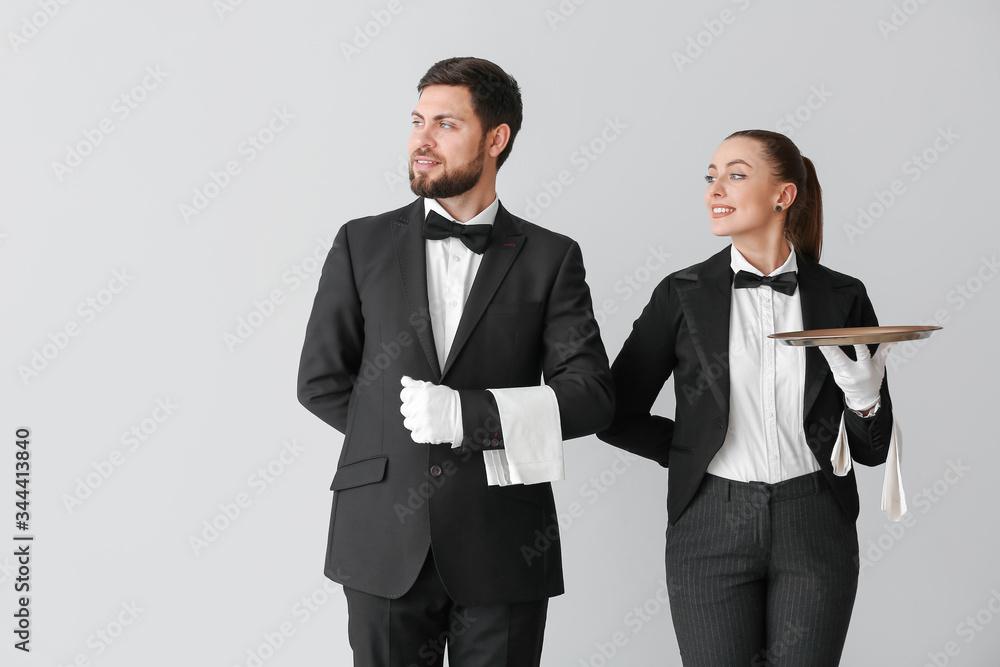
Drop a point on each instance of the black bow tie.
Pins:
(783, 282)
(475, 237)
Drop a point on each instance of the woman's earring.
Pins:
(777, 209)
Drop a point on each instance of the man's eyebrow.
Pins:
(440, 116)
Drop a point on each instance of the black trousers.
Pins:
(762, 574)
(416, 629)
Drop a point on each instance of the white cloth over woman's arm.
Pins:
(893, 495)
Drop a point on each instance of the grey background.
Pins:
(886, 95)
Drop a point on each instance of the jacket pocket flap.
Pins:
(359, 473)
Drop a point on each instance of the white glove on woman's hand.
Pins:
(431, 412)
(860, 380)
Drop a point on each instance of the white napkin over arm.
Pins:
(532, 434)
(893, 495)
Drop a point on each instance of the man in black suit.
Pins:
(431, 330)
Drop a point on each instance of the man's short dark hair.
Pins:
(496, 97)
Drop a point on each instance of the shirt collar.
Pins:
(739, 263)
(485, 217)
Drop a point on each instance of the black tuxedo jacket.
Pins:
(684, 330)
(528, 318)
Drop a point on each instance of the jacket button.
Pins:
(495, 443)
(436, 471)
(486, 442)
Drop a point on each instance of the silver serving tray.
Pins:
(853, 335)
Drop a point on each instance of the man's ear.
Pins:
(498, 139)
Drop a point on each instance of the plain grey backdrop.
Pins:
(173, 174)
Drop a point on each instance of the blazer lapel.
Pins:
(825, 305)
(408, 239)
(706, 301)
(506, 241)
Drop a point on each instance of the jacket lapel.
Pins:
(408, 239)
(506, 241)
(826, 302)
(705, 293)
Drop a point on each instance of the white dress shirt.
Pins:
(529, 416)
(765, 441)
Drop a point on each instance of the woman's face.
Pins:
(740, 194)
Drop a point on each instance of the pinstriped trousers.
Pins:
(763, 575)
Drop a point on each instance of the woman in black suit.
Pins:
(762, 548)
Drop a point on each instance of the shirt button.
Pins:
(453, 304)
(436, 471)
(457, 258)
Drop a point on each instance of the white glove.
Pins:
(432, 413)
(859, 380)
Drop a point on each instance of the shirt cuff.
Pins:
(873, 409)
(533, 447)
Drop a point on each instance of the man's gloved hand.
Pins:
(432, 413)
(859, 380)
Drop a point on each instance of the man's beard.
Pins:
(449, 183)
